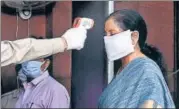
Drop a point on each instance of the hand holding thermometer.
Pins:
(87, 23)
(75, 37)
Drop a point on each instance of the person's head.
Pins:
(123, 20)
(30, 70)
(33, 69)
(117, 25)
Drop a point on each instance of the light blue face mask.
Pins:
(32, 69)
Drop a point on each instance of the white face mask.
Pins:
(119, 45)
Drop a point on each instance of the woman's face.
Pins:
(111, 28)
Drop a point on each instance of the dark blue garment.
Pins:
(139, 81)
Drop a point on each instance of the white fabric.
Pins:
(28, 49)
(75, 38)
(119, 45)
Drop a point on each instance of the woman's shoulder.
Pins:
(150, 75)
(148, 64)
(145, 64)
(152, 71)
(141, 66)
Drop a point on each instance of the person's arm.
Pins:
(154, 92)
(150, 104)
(28, 49)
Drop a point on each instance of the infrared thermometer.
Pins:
(86, 23)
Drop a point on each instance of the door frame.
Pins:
(110, 65)
(176, 51)
(89, 64)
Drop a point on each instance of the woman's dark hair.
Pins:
(130, 19)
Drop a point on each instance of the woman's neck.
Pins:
(126, 60)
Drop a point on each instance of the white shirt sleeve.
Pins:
(28, 49)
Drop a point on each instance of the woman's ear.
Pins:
(135, 37)
(45, 65)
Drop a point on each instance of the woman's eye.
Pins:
(110, 33)
(107, 34)
(113, 34)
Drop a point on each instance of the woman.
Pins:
(139, 82)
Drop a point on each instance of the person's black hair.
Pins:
(35, 37)
(128, 19)
(18, 68)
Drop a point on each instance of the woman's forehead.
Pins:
(110, 25)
